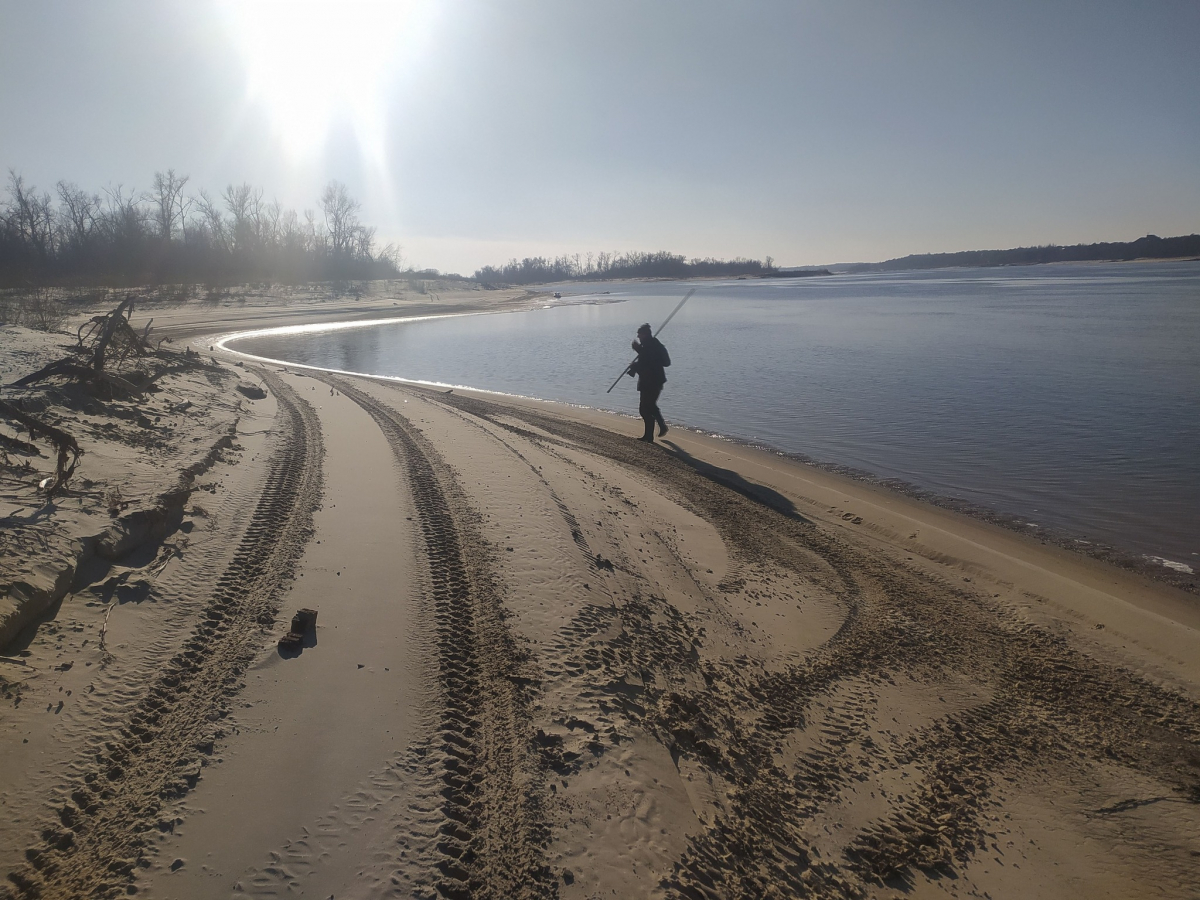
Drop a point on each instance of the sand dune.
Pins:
(553, 661)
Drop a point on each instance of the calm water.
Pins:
(1067, 395)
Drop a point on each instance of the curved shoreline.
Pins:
(1157, 568)
(315, 328)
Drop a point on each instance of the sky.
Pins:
(473, 132)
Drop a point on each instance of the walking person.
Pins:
(649, 367)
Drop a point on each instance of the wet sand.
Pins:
(553, 661)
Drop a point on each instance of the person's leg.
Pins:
(647, 409)
(654, 395)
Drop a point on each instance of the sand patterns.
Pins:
(783, 712)
(162, 748)
(985, 702)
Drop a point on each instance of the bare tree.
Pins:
(309, 231)
(214, 220)
(272, 227)
(245, 205)
(167, 200)
(291, 232)
(341, 218)
(124, 235)
(123, 219)
(393, 255)
(77, 211)
(364, 241)
(30, 216)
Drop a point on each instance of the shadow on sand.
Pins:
(309, 641)
(734, 481)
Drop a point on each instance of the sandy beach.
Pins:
(549, 660)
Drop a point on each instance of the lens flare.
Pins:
(311, 62)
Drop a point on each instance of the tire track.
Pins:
(1052, 710)
(493, 837)
(564, 511)
(101, 837)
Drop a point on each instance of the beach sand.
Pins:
(550, 660)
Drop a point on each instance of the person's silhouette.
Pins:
(649, 367)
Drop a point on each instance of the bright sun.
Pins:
(309, 61)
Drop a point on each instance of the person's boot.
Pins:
(662, 427)
(648, 437)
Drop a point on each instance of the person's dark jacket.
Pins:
(650, 364)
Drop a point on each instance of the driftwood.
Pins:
(104, 627)
(115, 384)
(114, 338)
(108, 341)
(108, 328)
(17, 445)
(104, 343)
(68, 449)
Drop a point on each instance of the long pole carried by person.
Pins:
(660, 328)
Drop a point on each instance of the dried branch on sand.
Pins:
(16, 445)
(114, 336)
(108, 342)
(105, 343)
(68, 449)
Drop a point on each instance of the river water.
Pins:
(1067, 395)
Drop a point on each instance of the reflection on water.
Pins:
(1069, 395)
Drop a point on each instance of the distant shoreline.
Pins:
(1148, 248)
(836, 269)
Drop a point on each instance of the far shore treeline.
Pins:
(583, 267)
(120, 237)
(1149, 247)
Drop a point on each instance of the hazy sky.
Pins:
(476, 131)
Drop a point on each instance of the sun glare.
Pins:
(309, 62)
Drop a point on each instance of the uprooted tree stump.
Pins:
(105, 342)
(113, 338)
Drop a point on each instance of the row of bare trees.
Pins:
(540, 270)
(167, 235)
